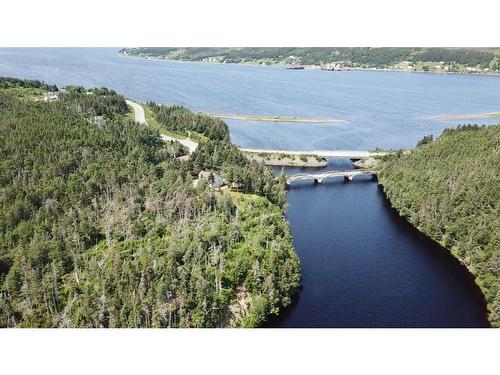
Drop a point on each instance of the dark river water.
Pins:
(363, 265)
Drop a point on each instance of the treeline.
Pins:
(465, 56)
(357, 56)
(449, 188)
(94, 102)
(10, 82)
(101, 226)
(180, 119)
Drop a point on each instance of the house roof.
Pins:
(204, 174)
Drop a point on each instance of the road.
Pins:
(141, 119)
(138, 111)
(192, 146)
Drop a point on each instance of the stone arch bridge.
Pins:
(318, 178)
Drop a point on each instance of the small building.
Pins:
(205, 175)
(183, 158)
(215, 180)
(49, 98)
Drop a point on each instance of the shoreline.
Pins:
(469, 116)
(287, 160)
(311, 67)
(268, 118)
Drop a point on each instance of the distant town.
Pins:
(441, 60)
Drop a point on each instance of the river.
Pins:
(363, 265)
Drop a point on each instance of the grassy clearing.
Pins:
(25, 93)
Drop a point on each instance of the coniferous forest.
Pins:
(102, 226)
(449, 188)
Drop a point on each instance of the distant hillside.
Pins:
(449, 59)
(449, 189)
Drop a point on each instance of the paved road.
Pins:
(191, 145)
(138, 111)
(319, 177)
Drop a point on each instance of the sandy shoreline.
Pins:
(267, 118)
(466, 116)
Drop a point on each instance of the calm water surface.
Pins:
(363, 266)
(382, 109)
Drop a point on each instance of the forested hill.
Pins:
(455, 59)
(449, 189)
(102, 226)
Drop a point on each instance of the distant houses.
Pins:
(51, 96)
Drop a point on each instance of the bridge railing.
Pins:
(319, 177)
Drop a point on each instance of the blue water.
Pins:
(365, 266)
(382, 109)
(362, 265)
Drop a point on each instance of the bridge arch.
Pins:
(318, 178)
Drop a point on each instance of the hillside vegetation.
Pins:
(101, 226)
(449, 189)
(455, 58)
